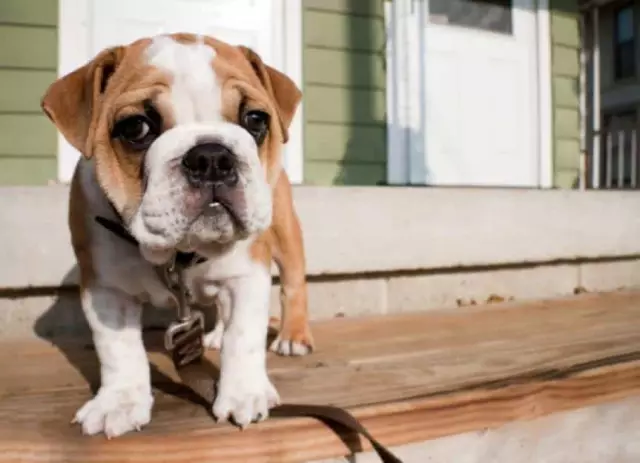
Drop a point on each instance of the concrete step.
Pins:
(52, 312)
(369, 251)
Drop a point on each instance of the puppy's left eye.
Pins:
(257, 124)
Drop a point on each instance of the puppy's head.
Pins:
(186, 134)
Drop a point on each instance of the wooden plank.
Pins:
(380, 371)
(344, 32)
(27, 135)
(30, 12)
(25, 171)
(21, 90)
(589, 317)
(345, 106)
(409, 378)
(359, 7)
(345, 143)
(28, 47)
(344, 68)
(300, 440)
(343, 173)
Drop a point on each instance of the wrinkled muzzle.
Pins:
(203, 185)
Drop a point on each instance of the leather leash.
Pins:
(184, 341)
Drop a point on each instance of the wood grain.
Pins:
(409, 378)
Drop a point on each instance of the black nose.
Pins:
(210, 163)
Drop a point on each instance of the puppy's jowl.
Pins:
(181, 138)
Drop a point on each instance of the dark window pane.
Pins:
(624, 43)
(625, 65)
(624, 25)
(489, 15)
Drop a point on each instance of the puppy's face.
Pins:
(186, 134)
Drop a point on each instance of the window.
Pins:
(488, 15)
(624, 47)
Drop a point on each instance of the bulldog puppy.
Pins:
(181, 137)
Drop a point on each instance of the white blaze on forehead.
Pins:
(195, 93)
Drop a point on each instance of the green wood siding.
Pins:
(28, 63)
(344, 92)
(565, 71)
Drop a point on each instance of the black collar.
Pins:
(183, 259)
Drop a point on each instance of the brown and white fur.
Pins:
(135, 112)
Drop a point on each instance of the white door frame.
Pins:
(74, 50)
(405, 79)
(545, 105)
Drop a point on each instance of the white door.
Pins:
(481, 93)
(475, 118)
(270, 27)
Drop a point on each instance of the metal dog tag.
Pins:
(184, 337)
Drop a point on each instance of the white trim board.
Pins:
(74, 50)
(405, 154)
(545, 100)
(291, 64)
(405, 162)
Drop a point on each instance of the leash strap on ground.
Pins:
(333, 416)
(200, 383)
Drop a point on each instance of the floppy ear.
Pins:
(71, 100)
(282, 89)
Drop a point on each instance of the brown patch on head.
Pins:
(246, 80)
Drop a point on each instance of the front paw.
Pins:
(116, 411)
(245, 400)
(294, 339)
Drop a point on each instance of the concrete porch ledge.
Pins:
(370, 251)
(373, 230)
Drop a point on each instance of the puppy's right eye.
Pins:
(138, 132)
